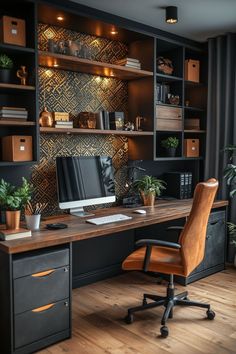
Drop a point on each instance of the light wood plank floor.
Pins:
(98, 310)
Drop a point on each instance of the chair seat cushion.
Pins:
(163, 260)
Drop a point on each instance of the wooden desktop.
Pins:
(36, 272)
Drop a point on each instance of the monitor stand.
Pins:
(80, 212)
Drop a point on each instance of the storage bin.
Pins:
(12, 31)
(192, 69)
(17, 148)
(191, 147)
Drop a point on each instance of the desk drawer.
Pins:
(39, 261)
(39, 323)
(39, 289)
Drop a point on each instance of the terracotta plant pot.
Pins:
(148, 199)
(13, 219)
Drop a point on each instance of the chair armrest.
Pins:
(150, 242)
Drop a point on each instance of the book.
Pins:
(100, 124)
(13, 111)
(106, 120)
(134, 66)
(63, 122)
(8, 235)
(126, 60)
(12, 108)
(13, 118)
(63, 126)
(11, 115)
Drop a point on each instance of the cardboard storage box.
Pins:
(169, 118)
(192, 123)
(191, 147)
(192, 70)
(17, 148)
(12, 31)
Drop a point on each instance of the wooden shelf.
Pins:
(16, 123)
(21, 163)
(169, 105)
(71, 63)
(16, 48)
(93, 131)
(168, 78)
(194, 131)
(194, 109)
(180, 158)
(16, 87)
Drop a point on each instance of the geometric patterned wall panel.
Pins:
(44, 174)
(102, 49)
(76, 92)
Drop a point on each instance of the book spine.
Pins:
(186, 185)
(190, 177)
(100, 124)
(182, 186)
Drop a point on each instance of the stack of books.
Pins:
(13, 113)
(64, 124)
(129, 62)
(8, 235)
(61, 116)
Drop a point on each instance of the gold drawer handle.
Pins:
(43, 274)
(43, 308)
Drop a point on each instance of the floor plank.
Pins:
(98, 311)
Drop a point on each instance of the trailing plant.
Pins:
(170, 142)
(149, 184)
(5, 62)
(14, 198)
(230, 176)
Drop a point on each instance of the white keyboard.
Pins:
(108, 219)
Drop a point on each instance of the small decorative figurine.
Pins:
(22, 74)
(45, 118)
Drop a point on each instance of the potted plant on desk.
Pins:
(149, 187)
(170, 145)
(12, 201)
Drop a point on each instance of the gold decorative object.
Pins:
(13, 219)
(22, 74)
(45, 118)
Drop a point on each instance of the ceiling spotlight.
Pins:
(171, 14)
(60, 18)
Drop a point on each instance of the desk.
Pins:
(37, 272)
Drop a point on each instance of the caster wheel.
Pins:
(144, 302)
(210, 314)
(164, 331)
(129, 319)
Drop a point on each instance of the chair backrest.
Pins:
(193, 236)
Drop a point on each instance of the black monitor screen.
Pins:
(83, 177)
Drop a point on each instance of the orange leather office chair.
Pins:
(175, 258)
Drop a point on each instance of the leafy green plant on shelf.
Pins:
(170, 145)
(230, 176)
(6, 65)
(5, 62)
(149, 187)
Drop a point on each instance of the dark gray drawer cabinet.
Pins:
(38, 312)
(215, 249)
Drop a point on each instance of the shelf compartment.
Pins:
(48, 130)
(16, 123)
(17, 87)
(67, 62)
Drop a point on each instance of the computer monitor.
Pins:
(84, 181)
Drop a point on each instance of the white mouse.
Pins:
(140, 211)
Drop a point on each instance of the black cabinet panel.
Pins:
(39, 261)
(31, 291)
(31, 326)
